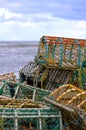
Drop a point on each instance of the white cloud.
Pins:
(2, 11)
(29, 20)
(27, 30)
(81, 24)
(28, 24)
(8, 14)
(20, 24)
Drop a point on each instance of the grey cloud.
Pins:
(66, 9)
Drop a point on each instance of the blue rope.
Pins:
(61, 54)
(79, 55)
(46, 50)
(53, 52)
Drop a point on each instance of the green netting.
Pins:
(79, 78)
(65, 52)
(39, 119)
(21, 91)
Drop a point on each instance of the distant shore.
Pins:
(18, 43)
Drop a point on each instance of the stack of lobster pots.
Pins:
(59, 61)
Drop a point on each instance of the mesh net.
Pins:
(72, 103)
(61, 52)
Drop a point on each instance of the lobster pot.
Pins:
(61, 52)
(45, 78)
(59, 61)
(72, 103)
(32, 119)
(22, 108)
(20, 91)
(50, 78)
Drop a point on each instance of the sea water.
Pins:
(15, 55)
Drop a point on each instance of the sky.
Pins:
(31, 19)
